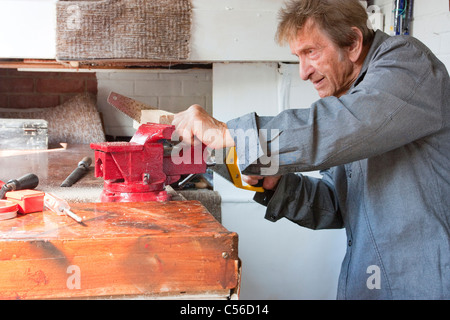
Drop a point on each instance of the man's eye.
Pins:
(313, 53)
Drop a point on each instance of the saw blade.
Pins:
(222, 170)
(130, 107)
(218, 163)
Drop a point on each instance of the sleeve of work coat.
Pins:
(308, 201)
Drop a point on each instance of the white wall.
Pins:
(27, 29)
(236, 30)
(280, 260)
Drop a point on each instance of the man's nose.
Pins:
(306, 69)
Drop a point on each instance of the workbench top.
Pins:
(52, 166)
(113, 220)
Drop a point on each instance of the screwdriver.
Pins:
(28, 181)
(59, 206)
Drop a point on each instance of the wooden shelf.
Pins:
(97, 65)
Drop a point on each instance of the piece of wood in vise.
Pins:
(138, 111)
(156, 116)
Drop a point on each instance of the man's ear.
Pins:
(356, 48)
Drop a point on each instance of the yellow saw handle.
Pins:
(235, 173)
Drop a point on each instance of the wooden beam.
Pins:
(97, 65)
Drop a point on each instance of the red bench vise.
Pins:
(139, 170)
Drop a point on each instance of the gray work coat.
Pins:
(384, 152)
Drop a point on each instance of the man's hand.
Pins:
(195, 125)
(269, 183)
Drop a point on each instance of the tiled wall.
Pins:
(172, 91)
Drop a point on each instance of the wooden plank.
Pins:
(139, 111)
(156, 116)
(124, 249)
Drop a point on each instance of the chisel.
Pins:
(78, 173)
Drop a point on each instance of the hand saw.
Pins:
(229, 170)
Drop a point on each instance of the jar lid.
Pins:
(8, 209)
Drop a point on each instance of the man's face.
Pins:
(322, 62)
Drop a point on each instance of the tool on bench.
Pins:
(78, 173)
(28, 181)
(60, 206)
(140, 170)
(10, 207)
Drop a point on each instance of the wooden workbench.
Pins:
(174, 249)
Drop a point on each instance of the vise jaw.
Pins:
(139, 170)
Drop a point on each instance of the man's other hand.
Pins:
(269, 183)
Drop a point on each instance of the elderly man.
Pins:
(380, 134)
